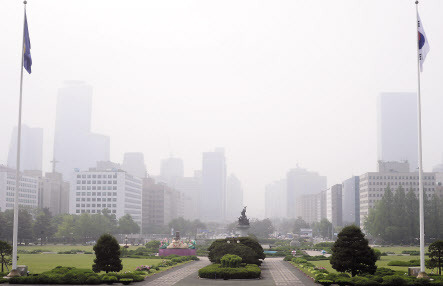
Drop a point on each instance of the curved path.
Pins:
(275, 272)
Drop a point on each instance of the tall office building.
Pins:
(397, 128)
(171, 170)
(31, 149)
(134, 164)
(213, 195)
(54, 193)
(301, 182)
(190, 187)
(351, 201)
(75, 147)
(234, 197)
(275, 199)
(334, 205)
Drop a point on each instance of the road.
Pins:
(275, 272)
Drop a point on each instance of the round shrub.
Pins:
(93, 280)
(246, 253)
(109, 279)
(394, 280)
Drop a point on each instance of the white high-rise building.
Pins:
(234, 198)
(213, 195)
(75, 147)
(301, 182)
(397, 128)
(134, 164)
(28, 190)
(31, 149)
(117, 191)
(374, 184)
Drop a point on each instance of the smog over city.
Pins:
(284, 110)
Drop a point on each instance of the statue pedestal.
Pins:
(242, 230)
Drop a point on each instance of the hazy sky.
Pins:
(275, 83)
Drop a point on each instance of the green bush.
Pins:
(247, 248)
(299, 260)
(394, 280)
(411, 252)
(325, 282)
(109, 279)
(93, 280)
(3, 280)
(230, 260)
(126, 281)
(288, 258)
(215, 271)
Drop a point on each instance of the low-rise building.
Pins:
(115, 190)
(28, 190)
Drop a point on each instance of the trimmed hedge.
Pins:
(215, 271)
(71, 275)
(231, 261)
(412, 262)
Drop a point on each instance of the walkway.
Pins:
(275, 272)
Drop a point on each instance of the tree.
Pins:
(436, 255)
(299, 224)
(126, 225)
(351, 252)
(5, 250)
(107, 255)
(262, 228)
(323, 228)
(153, 245)
(43, 227)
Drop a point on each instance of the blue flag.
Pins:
(27, 60)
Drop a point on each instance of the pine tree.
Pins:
(436, 255)
(412, 216)
(107, 255)
(351, 252)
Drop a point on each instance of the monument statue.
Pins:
(243, 220)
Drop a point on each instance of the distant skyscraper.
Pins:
(397, 128)
(134, 164)
(75, 147)
(334, 205)
(213, 195)
(351, 201)
(234, 197)
(31, 149)
(301, 182)
(171, 170)
(275, 199)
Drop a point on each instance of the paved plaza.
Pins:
(275, 272)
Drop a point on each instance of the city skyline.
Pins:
(266, 104)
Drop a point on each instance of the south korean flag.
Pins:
(423, 45)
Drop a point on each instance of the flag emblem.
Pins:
(422, 41)
(27, 60)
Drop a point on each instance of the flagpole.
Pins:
(422, 273)
(14, 271)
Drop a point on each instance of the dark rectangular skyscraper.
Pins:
(351, 201)
(213, 195)
(397, 128)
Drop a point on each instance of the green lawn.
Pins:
(383, 262)
(38, 263)
(62, 247)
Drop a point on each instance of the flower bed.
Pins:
(216, 271)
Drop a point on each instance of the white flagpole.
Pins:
(14, 271)
(420, 161)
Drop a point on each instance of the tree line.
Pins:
(40, 225)
(395, 218)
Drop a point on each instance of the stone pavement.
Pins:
(172, 276)
(275, 272)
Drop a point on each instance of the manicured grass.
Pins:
(38, 263)
(383, 262)
(398, 249)
(62, 247)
